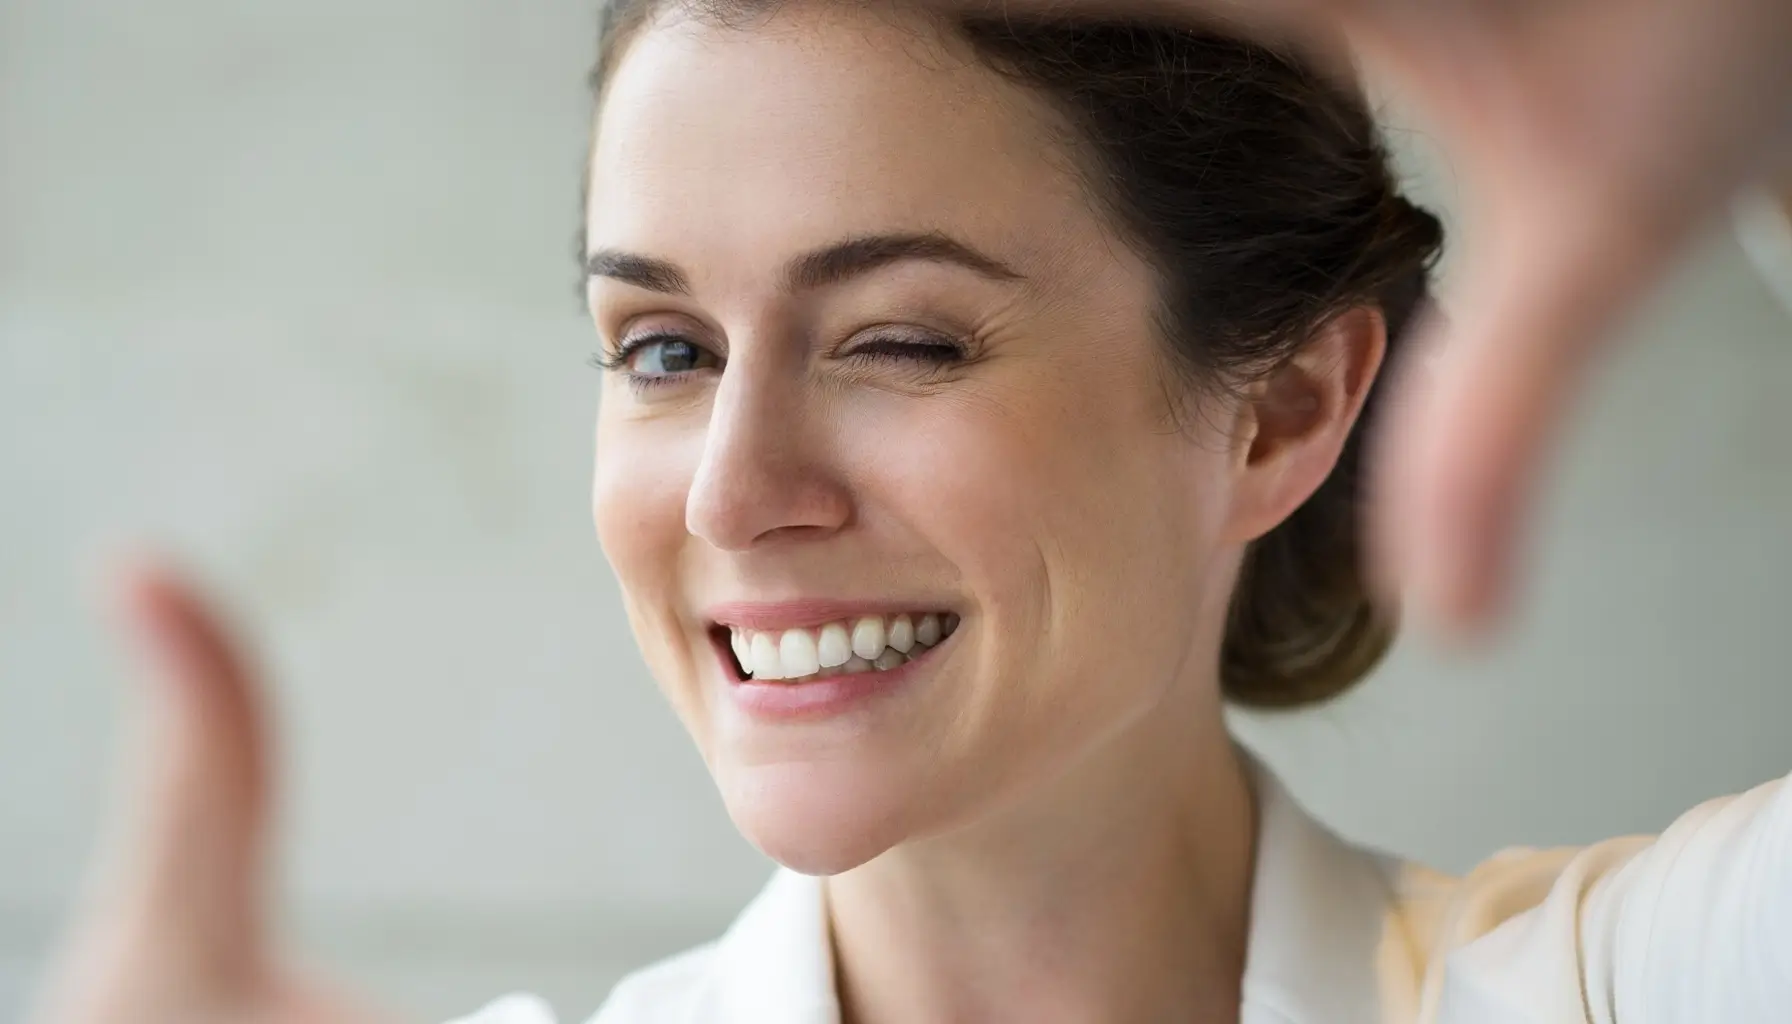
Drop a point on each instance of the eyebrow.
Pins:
(831, 265)
(655, 275)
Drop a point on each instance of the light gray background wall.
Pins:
(288, 286)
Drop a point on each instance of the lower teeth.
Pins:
(891, 658)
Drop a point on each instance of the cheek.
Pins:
(639, 487)
(1085, 530)
(640, 483)
(965, 482)
(1032, 483)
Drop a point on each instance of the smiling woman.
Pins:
(957, 473)
(849, 366)
(982, 414)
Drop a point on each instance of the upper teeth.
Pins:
(854, 645)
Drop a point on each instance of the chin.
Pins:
(818, 818)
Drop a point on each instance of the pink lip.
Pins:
(804, 614)
(824, 698)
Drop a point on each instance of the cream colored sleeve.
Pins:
(1701, 922)
(1694, 927)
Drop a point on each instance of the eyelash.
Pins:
(943, 353)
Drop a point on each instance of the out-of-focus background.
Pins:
(288, 287)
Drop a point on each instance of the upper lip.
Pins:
(807, 613)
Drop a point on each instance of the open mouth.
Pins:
(872, 643)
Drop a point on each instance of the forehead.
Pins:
(826, 121)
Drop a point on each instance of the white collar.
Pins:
(1319, 926)
(1321, 921)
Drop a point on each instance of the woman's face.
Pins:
(886, 383)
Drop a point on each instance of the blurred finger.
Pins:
(1474, 416)
(191, 847)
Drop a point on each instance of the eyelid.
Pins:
(635, 322)
(902, 336)
(615, 358)
(631, 343)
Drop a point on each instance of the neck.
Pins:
(1119, 892)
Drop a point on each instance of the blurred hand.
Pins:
(1594, 139)
(176, 930)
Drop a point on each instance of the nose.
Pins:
(764, 474)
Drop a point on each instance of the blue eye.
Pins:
(666, 357)
(658, 358)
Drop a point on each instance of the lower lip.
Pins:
(824, 698)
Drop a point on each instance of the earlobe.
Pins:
(1301, 416)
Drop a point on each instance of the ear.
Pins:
(1294, 423)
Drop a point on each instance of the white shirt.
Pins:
(1692, 928)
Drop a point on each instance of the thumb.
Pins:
(185, 870)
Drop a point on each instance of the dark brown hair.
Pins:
(1262, 193)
